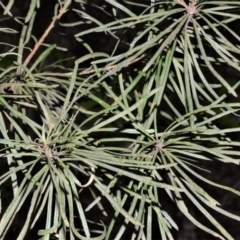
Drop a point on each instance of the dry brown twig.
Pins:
(45, 34)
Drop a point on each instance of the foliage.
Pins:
(132, 125)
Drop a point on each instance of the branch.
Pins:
(40, 41)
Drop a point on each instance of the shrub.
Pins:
(104, 127)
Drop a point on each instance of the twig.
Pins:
(45, 34)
